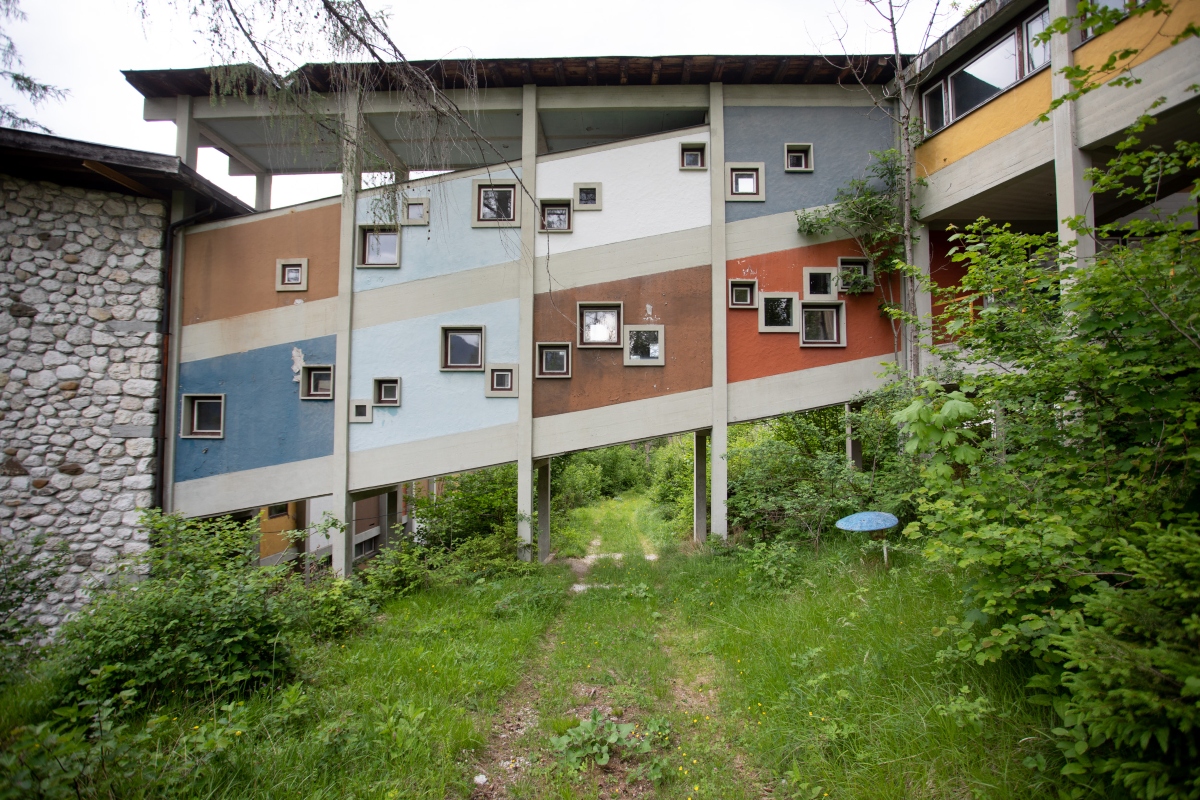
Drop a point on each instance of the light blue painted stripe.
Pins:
(448, 243)
(433, 403)
(266, 422)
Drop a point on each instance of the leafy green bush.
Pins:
(577, 484)
(672, 470)
(1063, 483)
(326, 608)
(775, 565)
(470, 504)
(205, 621)
(26, 578)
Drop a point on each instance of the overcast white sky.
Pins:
(82, 46)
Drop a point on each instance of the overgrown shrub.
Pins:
(205, 620)
(27, 576)
(469, 505)
(672, 470)
(327, 607)
(774, 565)
(577, 484)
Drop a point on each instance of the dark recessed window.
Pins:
(497, 203)
(556, 216)
(203, 416)
(387, 391)
(691, 157)
(274, 512)
(587, 196)
(778, 312)
(821, 325)
(502, 380)
(820, 283)
(462, 348)
(554, 360)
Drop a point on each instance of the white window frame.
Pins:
(368, 413)
(490, 391)
(375, 392)
(946, 118)
(408, 202)
(834, 284)
(1027, 66)
(557, 202)
(478, 185)
(444, 365)
(597, 206)
(752, 283)
(187, 416)
(746, 166)
(763, 297)
(685, 147)
(360, 257)
(302, 286)
(306, 382)
(841, 311)
(844, 261)
(798, 147)
(630, 361)
(538, 348)
(580, 306)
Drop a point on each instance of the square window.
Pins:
(822, 325)
(380, 248)
(798, 158)
(291, 275)
(462, 348)
(361, 411)
(820, 283)
(414, 211)
(588, 197)
(691, 155)
(386, 392)
(743, 294)
(497, 204)
(778, 312)
(645, 346)
(744, 181)
(277, 511)
(599, 324)
(855, 275)
(203, 416)
(501, 380)
(316, 383)
(556, 216)
(554, 359)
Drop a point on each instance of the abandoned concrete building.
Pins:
(629, 268)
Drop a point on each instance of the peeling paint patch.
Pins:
(297, 363)
(649, 317)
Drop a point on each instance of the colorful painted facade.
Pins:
(633, 270)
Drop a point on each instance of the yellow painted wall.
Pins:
(995, 119)
(273, 541)
(1148, 34)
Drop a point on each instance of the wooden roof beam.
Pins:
(784, 63)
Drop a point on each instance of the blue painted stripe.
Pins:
(266, 422)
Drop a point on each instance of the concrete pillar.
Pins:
(543, 486)
(529, 140)
(187, 134)
(720, 384)
(1073, 192)
(700, 488)
(921, 257)
(262, 191)
(343, 541)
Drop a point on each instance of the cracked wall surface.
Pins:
(80, 369)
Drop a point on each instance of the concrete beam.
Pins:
(187, 134)
(229, 148)
(262, 192)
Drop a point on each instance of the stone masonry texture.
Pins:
(81, 297)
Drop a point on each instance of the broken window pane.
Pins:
(496, 203)
(643, 345)
(777, 312)
(601, 326)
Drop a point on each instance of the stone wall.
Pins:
(80, 369)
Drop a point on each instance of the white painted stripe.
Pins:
(620, 260)
(443, 455)
(261, 329)
(430, 296)
(623, 422)
(769, 234)
(804, 389)
(253, 488)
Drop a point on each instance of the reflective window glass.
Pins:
(985, 77)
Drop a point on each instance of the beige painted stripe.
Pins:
(474, 287)
(769, 234)
(809, 388)
(442, 455)
(261, 329)
(623, 422)
(1011, 157)
(621, 260)
(252, 488)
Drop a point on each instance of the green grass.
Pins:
(831, 689)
